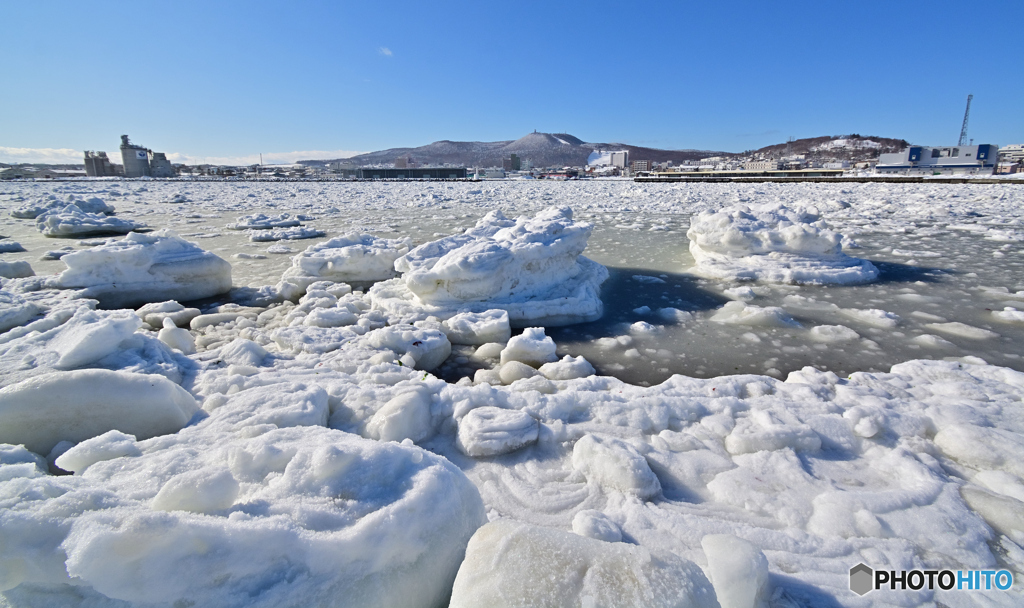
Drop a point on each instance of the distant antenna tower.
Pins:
(963, 129)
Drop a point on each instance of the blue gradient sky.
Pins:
(219, 81)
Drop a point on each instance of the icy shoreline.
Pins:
(308, 406)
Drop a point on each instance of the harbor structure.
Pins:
(414, 173)
(953, 160)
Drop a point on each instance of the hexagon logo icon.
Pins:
(861, 579)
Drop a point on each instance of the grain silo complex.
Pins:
(143, 162)
(135, 158)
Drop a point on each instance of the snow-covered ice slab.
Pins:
(773, 243)
(260, 221)
(531, 268)
(72, 222)
(285, 234)
(144, 268)
(52, 202)
(350, 258)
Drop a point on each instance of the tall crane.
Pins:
(963, 129)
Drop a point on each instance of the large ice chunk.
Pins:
(142, 268)
(531, 347)
(739, 571)
(476, 328)
(74, 406)
(615, 465)
(350, 258)
(52, 202)
(772, 242)
(72, 222)
(488, 431)
(513, 564)
(532, 269)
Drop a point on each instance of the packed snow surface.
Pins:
(772, 242)
(707, 441)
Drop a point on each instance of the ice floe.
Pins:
(354, 258)
(772, 242)
(72, 222)
(144, 268)
(531, 268)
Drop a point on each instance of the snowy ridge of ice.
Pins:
(774, 243)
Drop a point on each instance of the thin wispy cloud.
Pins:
(385, 51)
(52, 156)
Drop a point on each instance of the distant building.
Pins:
(1011, 154)
(761, 165)
(344, 168)
(17, 173)
(842, 164)
(135, 158)
(58, 173)
(160, 166)
(98, 165)
(922, 160)
(414, 173)
(605, 158)
(512, 163)
(403, 162)
(640, 165)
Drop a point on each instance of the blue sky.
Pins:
(224, 81)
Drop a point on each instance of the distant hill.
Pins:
(562, 149)
(840, 147)
(541, 149)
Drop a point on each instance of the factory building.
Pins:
(160, 166)
(954, 160)
(98, 165)
(414, 173)
(135, 158)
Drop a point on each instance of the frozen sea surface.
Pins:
(946, 254)
(744, 441)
